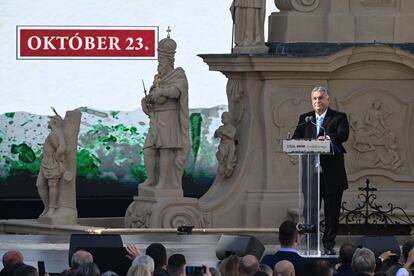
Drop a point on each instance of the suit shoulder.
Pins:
(310, 113)
(337, 113)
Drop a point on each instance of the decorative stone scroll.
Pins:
(297, 5)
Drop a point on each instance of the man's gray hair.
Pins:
(80, 257)
(320, 88)
(283, 268)
(363, 261)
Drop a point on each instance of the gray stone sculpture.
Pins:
(167, 143)
(248, 17)
(226, 154)
(56, 180)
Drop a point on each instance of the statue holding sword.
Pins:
(167, 143)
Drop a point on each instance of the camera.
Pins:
(195, 270)
(304, 228)
(185, 229)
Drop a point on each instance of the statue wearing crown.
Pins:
(167, 143)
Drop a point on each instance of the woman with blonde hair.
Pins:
(142, 265)
(230, 266)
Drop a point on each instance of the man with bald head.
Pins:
(80, 257)
(11, 260)
(284, 268)
(248, 265)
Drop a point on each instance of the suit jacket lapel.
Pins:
(311, 128)
(326, 120)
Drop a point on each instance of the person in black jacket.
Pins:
(327, 123)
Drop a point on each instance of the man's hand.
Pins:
(410, 259)
(133, 251)
(386, 255)
(155, 93)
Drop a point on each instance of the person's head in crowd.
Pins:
(158, 253)
(68, 272)
(323, 268)
(288, 234)
(248, 265)
(12, 257)
(142, 265)
(363, 261)
(259, 273)
(345, 253)
(176, 265)
(406, 248)
(230, 266)
(214, 271)
(267, 269)
(284, 268)
(80, 257)
(88, 269)
(109, 273)
(26, 270)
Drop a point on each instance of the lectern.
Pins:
(308, 152)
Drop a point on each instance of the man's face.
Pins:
(320, 101)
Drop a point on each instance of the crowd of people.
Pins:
(285, 262)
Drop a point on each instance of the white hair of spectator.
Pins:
(142, 265)
(363, 261)
(80, 257)
(109, 273)
(284, 268)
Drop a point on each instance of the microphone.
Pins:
(307, 120)
(321, 127)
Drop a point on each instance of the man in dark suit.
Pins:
(289, 239)
(330, 124)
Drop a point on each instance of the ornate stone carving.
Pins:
(174, 216)
(297, 5)
(372, 135)
(138, 215)
(165, 213)
(235, 93)
(379, 3)
(379, 142)
(226, 154)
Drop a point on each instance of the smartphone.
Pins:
(195, 270)
(41, 268)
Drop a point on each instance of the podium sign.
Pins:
(306, 146)
(308, 152)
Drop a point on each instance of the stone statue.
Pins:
(248, 17)
(52, 165)
(56, 182)
(226, 154)
(167, 143)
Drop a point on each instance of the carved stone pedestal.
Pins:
(62, 216)
(163, 209)
(250, 49)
